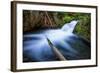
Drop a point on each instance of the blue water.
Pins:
(72, 47)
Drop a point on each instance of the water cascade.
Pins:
(36, 47)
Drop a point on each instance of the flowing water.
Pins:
(36, 47)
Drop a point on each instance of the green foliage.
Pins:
(83, 26)
(38, 19)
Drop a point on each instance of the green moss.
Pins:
(36, 20)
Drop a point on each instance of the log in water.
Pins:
(36, 47)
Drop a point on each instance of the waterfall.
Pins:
(36, 47)
(69, 27)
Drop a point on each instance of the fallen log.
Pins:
(56, 51)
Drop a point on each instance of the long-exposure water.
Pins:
(36, 47)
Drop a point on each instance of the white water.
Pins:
(69, 27)
(36, 47)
